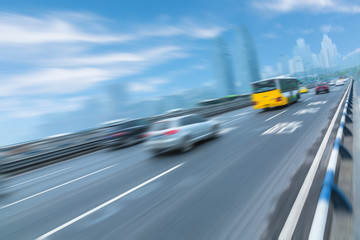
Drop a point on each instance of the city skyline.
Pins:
(304, 60)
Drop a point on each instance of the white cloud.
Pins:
(67, 53)
(56, 81)
(150, 55)
(19, 107)
(186, 27)
(141, 87)
(79, 74)
(147, 85)
(21, 29)
(331, 28)
(285, 6)
(72, 27)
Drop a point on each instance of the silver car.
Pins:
(180, 133)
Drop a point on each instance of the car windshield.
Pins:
(264, 86)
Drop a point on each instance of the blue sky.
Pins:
(55, 55)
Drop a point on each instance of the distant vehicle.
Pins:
(126, 133)
(332, 83)
(339, 82)
(275, 92)
(321, 87)
(304, 89)
(180, 133)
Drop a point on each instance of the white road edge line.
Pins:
(107, 203)
(34, 179)
(275, 115)
(294, 215)
(58, 186)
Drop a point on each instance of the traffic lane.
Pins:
(305, 106)
(207, 173)
(88, 159)
(172, 211)
(34, 182)
(40, 180)
(27, 219)
(81, 163)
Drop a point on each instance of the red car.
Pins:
(321, 87)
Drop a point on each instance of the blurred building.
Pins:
(303, 52)
(245, 60)
(223, 69)
(118, 99)
(329, 56)
(284, 64)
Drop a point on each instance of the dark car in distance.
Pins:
(321, 87)
(126, 133)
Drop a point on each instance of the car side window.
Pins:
(187, 121)
(198, 119)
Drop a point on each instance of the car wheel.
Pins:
(316, 93)
(187, 145)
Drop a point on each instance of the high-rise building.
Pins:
(284, 64)
(329, 56)
(246, 61)
(223, 69)
(118, 97)
(303, 52)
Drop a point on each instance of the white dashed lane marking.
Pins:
(283, 128)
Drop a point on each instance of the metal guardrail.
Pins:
(37, 153)
(329, 189)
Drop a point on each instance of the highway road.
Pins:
(241, 185)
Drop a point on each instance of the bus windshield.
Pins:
(264, 86)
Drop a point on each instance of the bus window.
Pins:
(264, 86)
(284, 86)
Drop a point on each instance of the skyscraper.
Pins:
(284, 64)
(302, 51)
(246, 60)
(329, 56)
(223, 69)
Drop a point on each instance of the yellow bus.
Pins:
(275, 92)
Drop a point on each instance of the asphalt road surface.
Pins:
(241, 185)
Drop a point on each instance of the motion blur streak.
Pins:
(59, 186)
(107, 203)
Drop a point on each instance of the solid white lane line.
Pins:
(226, 130)
(308, 99)
(31, 180)
(294, 215)
(241, 114)
(275, 115)
(107, 203)
(234, 120)
(56, 187)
